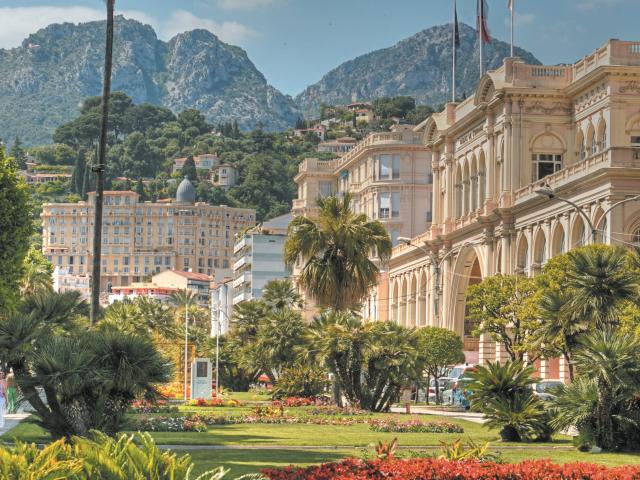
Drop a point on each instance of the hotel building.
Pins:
(141, 239)
(389, 177)
(574, 129)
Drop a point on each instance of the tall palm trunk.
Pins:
(99, 167)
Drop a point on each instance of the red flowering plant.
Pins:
(438, 469)
(412, 425)
(214, 402)
(146, 406)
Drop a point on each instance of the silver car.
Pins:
(543, 389)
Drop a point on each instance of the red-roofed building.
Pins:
(199, 283)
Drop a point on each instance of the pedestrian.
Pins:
(3, 398)
(12, 393)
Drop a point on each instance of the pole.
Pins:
(512, 22)
(480, 32)
(98, 168)
(217, 356)
(455, 26)
(186, 346)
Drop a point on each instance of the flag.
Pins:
(456, 30)
(511, 5)
(483, 15)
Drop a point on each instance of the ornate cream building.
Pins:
(575, 129)
(140, 239)
(389, 177)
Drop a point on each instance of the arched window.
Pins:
(546, 156)
(523, 256)
(636, 236)
(582, 151)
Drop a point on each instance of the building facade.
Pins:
(389, 177)
(141, 239)
(259, 255)
(206, 161)
(574, 129)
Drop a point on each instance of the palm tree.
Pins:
(560, 327)
(183, 299)
(100, 167)
(502, 392)
(600, 280)
(35, 277)
(610, 358)
(281, 294)
(336, 248)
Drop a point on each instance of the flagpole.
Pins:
(453, 81)
(480, 32)
(512, 22)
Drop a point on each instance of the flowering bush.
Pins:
(171, 390)
(341, 411)
(416, 469)
(170, 424)
(305, 401)
(214, 402)
(160, 406)
(414, 425)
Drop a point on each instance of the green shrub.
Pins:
(301, 381)
(99, 457)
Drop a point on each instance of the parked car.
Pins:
(457, 392)
(544, 389)
(442, 385)
(461, 370)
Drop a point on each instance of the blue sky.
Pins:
(294, 42)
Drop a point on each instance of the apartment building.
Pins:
(574, 129)
(206, 161)
(389, 177)
(141, 239)
(259, 255)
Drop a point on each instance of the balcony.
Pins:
(242, 279)
(241, 297)
(241, 262)
(240, 245)
(615, 157)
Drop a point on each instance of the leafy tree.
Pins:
(334, 248)
(506, 308)
(393, 106)
(18, 153)
(192, 118)
(140, 190)
(37, 271)
(437, 349)
(146, 116)
(139, 158)
(189, 169)
(15, 229)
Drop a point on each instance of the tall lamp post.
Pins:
(218, 323)
(548, 192)
(186, 341)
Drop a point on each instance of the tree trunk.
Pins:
(100, 166)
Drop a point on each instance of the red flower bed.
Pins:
(432, 469)
(305, 401)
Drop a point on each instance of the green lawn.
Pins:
(332, 442)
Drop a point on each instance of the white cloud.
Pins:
(244, 4)
(521, 19)
(182, 21)
(593, 4)
(16, 23)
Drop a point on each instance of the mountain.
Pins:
(419, 66)
(43, 82)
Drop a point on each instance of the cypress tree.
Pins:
(140, 190)
(78, 173)
(86, 182)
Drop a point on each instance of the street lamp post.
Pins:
(548, 192)
(218, 310)
(186, 345)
